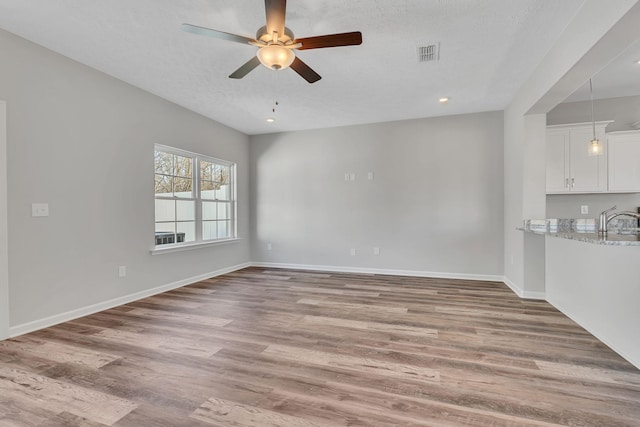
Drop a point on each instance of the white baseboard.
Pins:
(94, 308)
(382, 271)
(522, 293)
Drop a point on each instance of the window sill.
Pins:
(189, 246)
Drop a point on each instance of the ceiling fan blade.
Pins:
(245, 69)
(203, 31)
(275, 11)
(331, 40)
(305, 71)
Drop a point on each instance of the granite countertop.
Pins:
(621, 233)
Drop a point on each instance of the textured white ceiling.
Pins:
(488, 49)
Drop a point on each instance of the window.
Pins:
(194, 198)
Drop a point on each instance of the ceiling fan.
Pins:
(276, 43)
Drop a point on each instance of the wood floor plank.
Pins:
(223, 412)
(58, 396)
(172, 344)
(371, 326)
(58, 352)
(280, 347)
(352, 306)
(361, 364)
(170, 316)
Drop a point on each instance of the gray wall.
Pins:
(83, 142)
(568, 206)
(434, 205)
(624, 111)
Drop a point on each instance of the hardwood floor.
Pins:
(265, 347)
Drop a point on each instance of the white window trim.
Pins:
(167, 249)
(199, 243)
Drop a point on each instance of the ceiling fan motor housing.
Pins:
(263, 36)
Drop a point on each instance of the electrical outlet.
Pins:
(353, 252)
(584, 210)
(376, 251)
(347, 177)
(269, 246)
(122, 271)
(352, 176)
(370, 176)
(39, 209)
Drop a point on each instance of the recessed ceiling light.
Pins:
(443, 100)
(271, 120)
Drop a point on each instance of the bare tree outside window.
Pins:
(173, 174)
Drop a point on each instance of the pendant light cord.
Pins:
(593, 120)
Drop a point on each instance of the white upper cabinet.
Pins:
(558, 175)
(570, 168)
(624, 161)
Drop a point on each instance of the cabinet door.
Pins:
(624, 162)
(557, 156)
(587, 173)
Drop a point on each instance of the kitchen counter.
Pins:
(597, 287)
(594, 279)
(583, 230)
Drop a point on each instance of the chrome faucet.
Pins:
(604, 218)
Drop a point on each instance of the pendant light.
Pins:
(595, 147)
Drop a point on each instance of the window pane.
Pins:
(208, 211)
(186, 210)
(207, 190)
(182, 166)
(209, 230)
(163, 163)
(222, 193)
(165, 227)
(216, 172)
(182, 187)
(206, 170)
(163, 185)
(224, 176)
(186, 232)
(165, 210)
(165, 233)
(223, 211)
(223, 229)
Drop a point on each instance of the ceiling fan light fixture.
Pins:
(275, 57)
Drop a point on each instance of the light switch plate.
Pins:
(39, 209)
(584, 210)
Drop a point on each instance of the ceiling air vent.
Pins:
(429, 52)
